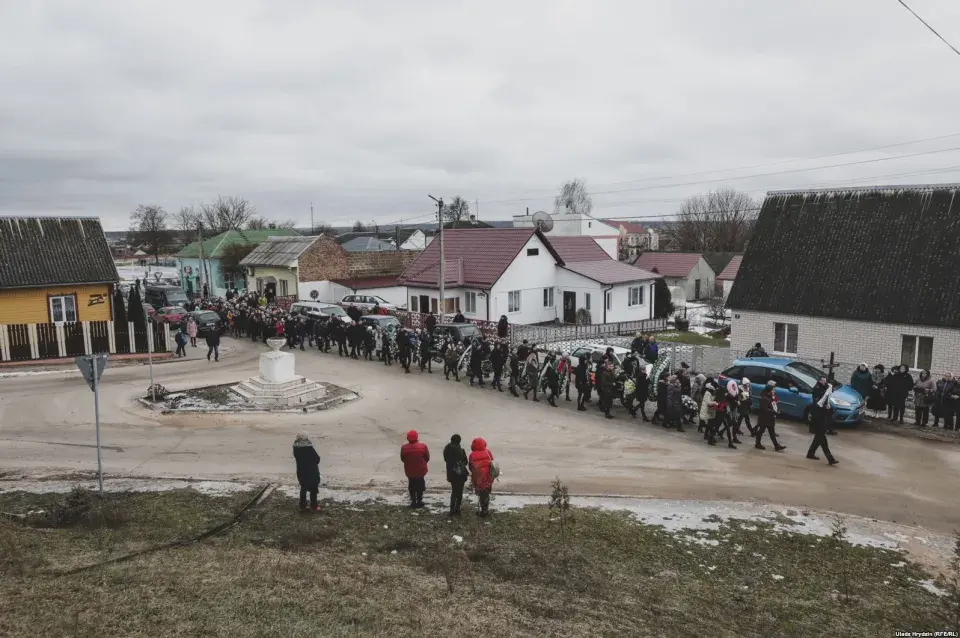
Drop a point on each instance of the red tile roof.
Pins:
(474, 257)
(730, 272)
(608, 271)
(573, 249)
(668, 264)
(362, 283)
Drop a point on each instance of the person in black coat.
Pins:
(459, 318)
(514, 363)
(477, 354)
(503, 326)
(426, 351)
(642, 394)
(403, 349)
(308, 470)
(213, 344)
(899, 385)
(661, 411)
(431, 324)
(497, 359)
(581, 379)
(354, 313)
(455, 458)
(302, 332)
(767, 418)
(821, 423)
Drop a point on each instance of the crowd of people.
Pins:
(890, 390)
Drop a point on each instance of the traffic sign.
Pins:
(92, 366)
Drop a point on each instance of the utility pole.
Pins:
(476, 208)
(313, 228)
(201, 278)
(440, 239)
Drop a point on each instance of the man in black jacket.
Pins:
(426, 351)
(478, 353)
(822, 413)
(455, 458)
(497, 359)
(308, 470)
(581, 376)
(514, 373)
(213, 344)
(642, 394)
(403, 349)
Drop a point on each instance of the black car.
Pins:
(381, 321)
(207, 321)
(459, 331)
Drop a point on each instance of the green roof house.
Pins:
(213, 250)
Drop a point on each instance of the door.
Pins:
(569, 307)
(696, 289)
(791, 403)
(425, 303)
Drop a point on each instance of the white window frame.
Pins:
(916, 363)
(548, 297)
(63, 308)
(634, 291)
(513, 301)
(414, 303)
(586, 300)
(470, 303)
(282, 286)
(785, 345)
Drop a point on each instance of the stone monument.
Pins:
(278, 383)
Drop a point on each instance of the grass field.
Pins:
(373, 569)
(691, 338)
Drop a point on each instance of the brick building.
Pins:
(871, 274)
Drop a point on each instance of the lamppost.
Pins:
(440, 233)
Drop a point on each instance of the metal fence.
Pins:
(37, 341)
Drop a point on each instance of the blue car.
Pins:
(795, 381)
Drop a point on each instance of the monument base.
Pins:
(278, 383)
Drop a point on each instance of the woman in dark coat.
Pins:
(877, 401)
(502, 327)
(455, 458)
(308, 470)
(643, 393)
(767, 418)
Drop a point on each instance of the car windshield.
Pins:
(333, 310)
(807, 372)
(469, 331)
(207, 316)
(176, 297)
(379, 300)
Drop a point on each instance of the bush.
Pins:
(81, 508)
(583, 317)
(158, 390)
(682, 325)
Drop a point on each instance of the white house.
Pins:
(634, 238)
(869, 273)
(729, 274)
(567, 224)
(689, 271)
(527, 276)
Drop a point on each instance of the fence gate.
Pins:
(121, 337)
(159, 337)
(47, 347)
(99, 336)
(73, 339)
(140, 337)
(19, 335)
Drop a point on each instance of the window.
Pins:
(784, 381)
(413, 304)
(586, 300)
(63, 308)
(696, 289)
(513, 301)
(533, 252)
(283, 287)
(548, 297)
(452, 305)
(635, 296)
(785, 338)
(916, 352)
(470, 301)
(609, 300)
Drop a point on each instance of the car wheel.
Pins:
(808, 416)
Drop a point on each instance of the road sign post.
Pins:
(150, 332)
(92, 367)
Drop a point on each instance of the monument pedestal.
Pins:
(278, 383)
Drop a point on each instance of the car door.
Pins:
(758, 379)
(791, 403)
(577, 354)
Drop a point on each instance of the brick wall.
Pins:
(851, 341)
(323, 261)
(379, 264)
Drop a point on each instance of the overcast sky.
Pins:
(366, 108)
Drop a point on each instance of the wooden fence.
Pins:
(36, 341)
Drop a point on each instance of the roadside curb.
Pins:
(324, 404)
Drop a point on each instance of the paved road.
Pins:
(46, 426)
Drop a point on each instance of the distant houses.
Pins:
(869, 274)
(689, 271)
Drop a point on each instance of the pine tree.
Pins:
(662, 299)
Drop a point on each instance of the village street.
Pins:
(46, 428)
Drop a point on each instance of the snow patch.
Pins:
(932, 588)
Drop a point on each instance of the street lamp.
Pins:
(440, 232)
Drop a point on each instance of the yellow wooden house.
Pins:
(54, 269)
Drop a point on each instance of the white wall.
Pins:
(397, 295)
(328, 292)
(417, 241)
(530, 275)
(450, 293)
(568, 281)
(619, 308)
(727, 286)
(851, 341)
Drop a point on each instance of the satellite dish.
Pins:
(542, 221)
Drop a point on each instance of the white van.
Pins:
(318, 309)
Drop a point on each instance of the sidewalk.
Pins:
(65, 364)
(909, 429)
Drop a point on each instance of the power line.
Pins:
(755, 175)
(738, 168)
(926, 24)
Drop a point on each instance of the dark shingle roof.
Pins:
(882, 254)
(610, 272)
(50, 251)
(572, 249)
(668, 264)
(719, 261)
(472, 256)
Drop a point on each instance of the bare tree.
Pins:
(573, 197)
(262, 223)
(323, 229)
(358, 226)
(226, 213)
(719, 221)
(457, 209)
(185, 220)
(717, 310)
(149, 227)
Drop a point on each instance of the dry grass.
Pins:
(283, 573)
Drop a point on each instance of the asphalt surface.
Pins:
(46, 428)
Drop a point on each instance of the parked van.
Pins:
(319, 310)
(161, 296)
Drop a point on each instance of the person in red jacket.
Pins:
(415, 457)
(480, 461)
